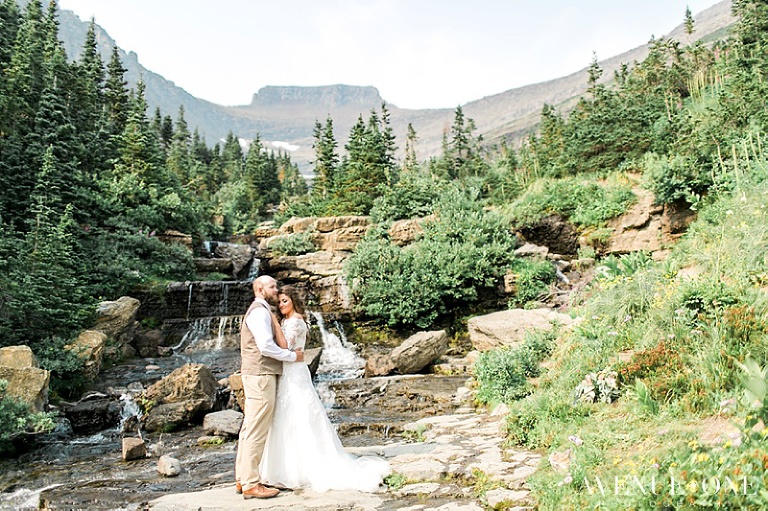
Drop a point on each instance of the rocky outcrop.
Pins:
(412, 356)
(181, 397)
(26, 381)
(508, 328)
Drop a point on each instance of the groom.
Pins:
(262, 361)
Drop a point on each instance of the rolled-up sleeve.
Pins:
(259, 322)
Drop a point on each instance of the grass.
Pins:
(676, 332)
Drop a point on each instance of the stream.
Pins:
(87, 472)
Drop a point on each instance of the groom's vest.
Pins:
(252, 362)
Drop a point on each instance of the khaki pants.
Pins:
(260, 392)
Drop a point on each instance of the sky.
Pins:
(417, 53)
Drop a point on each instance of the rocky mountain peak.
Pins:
(328, 96)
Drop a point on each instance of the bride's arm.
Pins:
(279, 335)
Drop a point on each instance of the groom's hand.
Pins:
(299, 355)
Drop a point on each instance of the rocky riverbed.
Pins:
(445, 462)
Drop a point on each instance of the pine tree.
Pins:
(411, 163)
(9, 26)
(116, 94)
(232, 158)
(179, 161)
(326, 160)
(689, 24)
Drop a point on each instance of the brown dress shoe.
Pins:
(260, 492)
(238, 487)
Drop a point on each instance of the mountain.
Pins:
(285, 115)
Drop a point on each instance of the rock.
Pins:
(89, 347)
(223, 423)
(18, 357)
(117, 319)
(236, 385)
(378, 365)
(295, 224)
(404, 232)
(239, 255)
(168, 467)
(149, 343)
(26, 381)
(205, 265)
(341, 240)
(134, 449)
(335, 223)
(553, 232)
(500, 495)
(181, 397)
(508, 328)
(418, 351)
(560, 461)
(531, 250)
(171, 237)
(93, 413)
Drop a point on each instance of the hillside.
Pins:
(287, 114)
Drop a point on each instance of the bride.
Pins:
(303, 449)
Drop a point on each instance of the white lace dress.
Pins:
(303, 449)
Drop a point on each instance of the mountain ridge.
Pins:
(287, 114)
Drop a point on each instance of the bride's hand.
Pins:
(279, 335)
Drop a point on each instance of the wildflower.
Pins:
(627, 318)
(702, 457)
(693, 444)
(729, 212)
(613, 333)
(567, 480)
(576, 440)
(655, 466)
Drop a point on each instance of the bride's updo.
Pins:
(298, 303)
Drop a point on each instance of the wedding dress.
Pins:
(303, 449)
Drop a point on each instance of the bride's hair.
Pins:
(298, 303)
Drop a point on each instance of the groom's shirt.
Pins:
(259, 323)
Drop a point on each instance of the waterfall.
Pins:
(189, 299)
(254, 270)
(339, 361)
(130, 413)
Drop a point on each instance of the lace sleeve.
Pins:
(295, 330)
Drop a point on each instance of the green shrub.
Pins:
(584, 202)
(411, 197)
(67, 380)
(463, 251)
(532, 280)
(16, 420)
(294, 244)
(503, 374)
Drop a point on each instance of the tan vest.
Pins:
(252, 362)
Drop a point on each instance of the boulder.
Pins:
(378, 365)
(223, 423)
(93, 413)
(168, 467)
(418, 351)
(181, 397)
(240, 256)
(117, 319)
(134, 449)
(531, 250)
(508, 328)
(89, 347)
(18, 357)
(26, 381)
